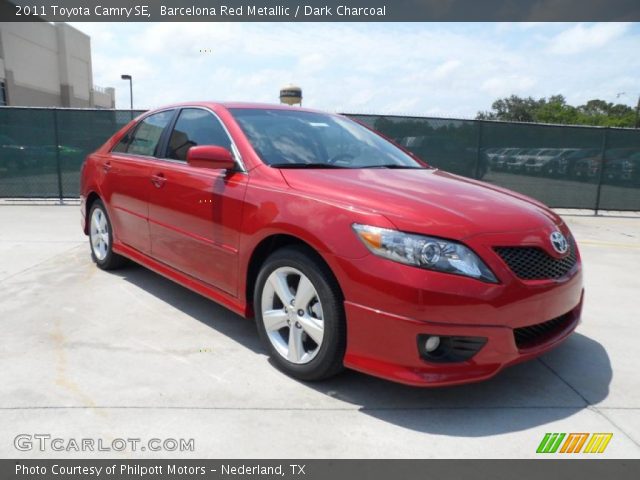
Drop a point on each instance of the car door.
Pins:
(126, 182)
(195, 214)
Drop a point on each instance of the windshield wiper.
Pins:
(394, 165)
(305, 165)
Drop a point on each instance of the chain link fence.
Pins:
(41, 150)
(592, 168)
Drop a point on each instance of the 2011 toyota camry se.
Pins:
(347, 249)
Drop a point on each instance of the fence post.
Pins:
(478, 150)
(605, 139)
(57, 149)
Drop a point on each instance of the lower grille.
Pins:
(533, 263)
(534, 335)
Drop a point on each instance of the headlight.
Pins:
(425, 252)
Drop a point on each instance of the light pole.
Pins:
(638, 113)
(128, 77)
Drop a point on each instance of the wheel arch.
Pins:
(266, 247)
(91, 198)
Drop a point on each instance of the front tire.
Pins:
(101, 238)
(300, 314)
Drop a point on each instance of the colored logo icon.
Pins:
(574, 443)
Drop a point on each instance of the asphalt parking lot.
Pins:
(128, 354)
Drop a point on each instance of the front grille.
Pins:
(532, 335)
(533, 263)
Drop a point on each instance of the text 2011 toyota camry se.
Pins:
(347, 250)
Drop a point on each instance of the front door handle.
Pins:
(158, 180)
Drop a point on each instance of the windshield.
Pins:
(299, 139)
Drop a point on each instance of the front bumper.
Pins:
(384, 345)
(388, 305)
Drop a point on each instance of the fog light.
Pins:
(448, 349)
(432, 344)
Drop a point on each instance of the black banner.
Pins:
(318, 10)
(321, 469)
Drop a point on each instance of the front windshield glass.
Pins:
(299, 139)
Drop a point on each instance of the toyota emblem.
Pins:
(559, 242)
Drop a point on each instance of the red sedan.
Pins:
(346, 249)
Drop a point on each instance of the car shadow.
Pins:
(558, 385)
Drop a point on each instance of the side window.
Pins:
(196, 127)
(147, 136)
(124, 141)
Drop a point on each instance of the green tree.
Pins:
(555, 109)
(513, 109)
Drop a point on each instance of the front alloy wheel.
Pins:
(292, 315)
(300, 316)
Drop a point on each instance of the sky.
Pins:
(433, 69)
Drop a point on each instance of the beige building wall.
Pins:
(45, 64)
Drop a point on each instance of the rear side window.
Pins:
(196, 127)
(146, 137)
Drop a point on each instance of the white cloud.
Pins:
(505, 85)
(315, 62)
(581, 37)
(453, 69)
(445, 69)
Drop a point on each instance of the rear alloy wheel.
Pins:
(300, 315)
(101, 238)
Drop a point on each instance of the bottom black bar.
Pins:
(543, 469)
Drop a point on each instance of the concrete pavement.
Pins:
(129, 354)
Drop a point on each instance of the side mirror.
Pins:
(210, 156)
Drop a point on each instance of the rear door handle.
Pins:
(106, 166)
(158, 180)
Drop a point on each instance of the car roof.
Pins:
(230, 104)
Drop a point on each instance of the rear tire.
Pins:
(101, 238)
(300, 315)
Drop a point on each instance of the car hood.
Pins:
(426, 201)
